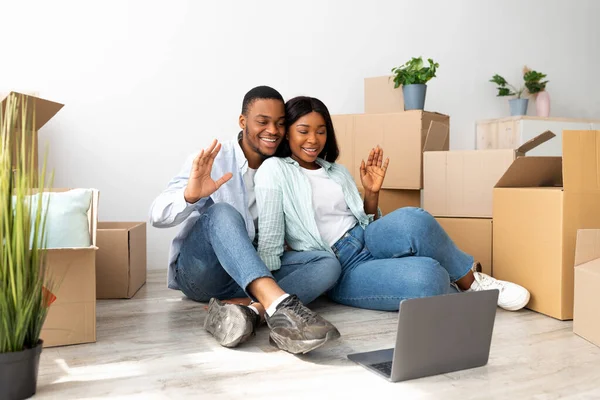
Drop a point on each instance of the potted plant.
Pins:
(518, 105)
(413, 77)
(532, 84)
(537, 87)
(25, 290)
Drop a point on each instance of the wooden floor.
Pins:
(154, 347)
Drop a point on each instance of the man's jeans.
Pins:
(405, 254)
(218, 260)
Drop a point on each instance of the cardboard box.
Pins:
(382, 97)
(473, 236)
(511, 132)
(120, 260)
(403, 136)
(539, 204)
(461, 183)
(587, 282)
(44, 111)
(393, 199)
(72, 317)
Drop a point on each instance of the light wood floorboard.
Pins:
(154, 347)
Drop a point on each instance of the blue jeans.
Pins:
(218, 259)
(405, 254)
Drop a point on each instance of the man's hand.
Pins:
(372, 173)
(200, 183)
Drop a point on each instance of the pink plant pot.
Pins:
(542, 104)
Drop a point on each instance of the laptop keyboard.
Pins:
(385, 367)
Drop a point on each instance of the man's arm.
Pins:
(189, 190)
(170, 208)
(271, 221)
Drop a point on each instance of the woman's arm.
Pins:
(372, 174)
(371, 202)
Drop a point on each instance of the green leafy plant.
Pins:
(505, 88)
(25, 287)
(532, 84)
(533, 81)
(414, 71)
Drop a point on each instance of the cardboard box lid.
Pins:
(587, 249)
(437, 136)
(44, 109)
(119, 225)
(533, 172)
(535, 142)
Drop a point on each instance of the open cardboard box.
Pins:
(461, 183)
(403, 136)
(71, 318)
(539, 204)
(120, 260)
(44, 111)
(587, 284)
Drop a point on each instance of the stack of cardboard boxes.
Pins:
(458, 190)
(403, 135)
(113, 266)
(518, 215)
(407, 137)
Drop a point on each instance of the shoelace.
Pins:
(486, 282)
(303, 312)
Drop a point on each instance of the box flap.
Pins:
(119, 225)
(581, 155)
(44, 109)
(587, 246)
(533, 172)
(535, 142)
(437, 136)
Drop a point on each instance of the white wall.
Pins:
(147, 82)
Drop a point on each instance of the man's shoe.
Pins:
(230, 324)
(296, 329)
(512, 297)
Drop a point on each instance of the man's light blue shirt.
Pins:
(170, 209)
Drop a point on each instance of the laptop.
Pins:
(437, 335)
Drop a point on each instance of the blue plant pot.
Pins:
(414, 96)
(518, 106)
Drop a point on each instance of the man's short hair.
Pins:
(257, 93)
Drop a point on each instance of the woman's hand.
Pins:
(372, 173)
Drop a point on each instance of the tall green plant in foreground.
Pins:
(25, 286)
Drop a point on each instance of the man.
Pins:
(214, 257)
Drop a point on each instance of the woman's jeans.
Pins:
(405, 254)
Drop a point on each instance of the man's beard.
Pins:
(256, 149)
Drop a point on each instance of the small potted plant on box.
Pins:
(537, 87)
(413, 77)
(25, 288)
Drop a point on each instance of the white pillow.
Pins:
(67, 222)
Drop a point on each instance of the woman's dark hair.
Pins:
(300, 106)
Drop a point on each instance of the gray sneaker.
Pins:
(296, 329)
(230, 324)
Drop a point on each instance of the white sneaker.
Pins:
(512, 297)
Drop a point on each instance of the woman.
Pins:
(309, 202)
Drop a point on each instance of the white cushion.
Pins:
(67, 221)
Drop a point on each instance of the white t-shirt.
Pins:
(249, 182)
(332, 214)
